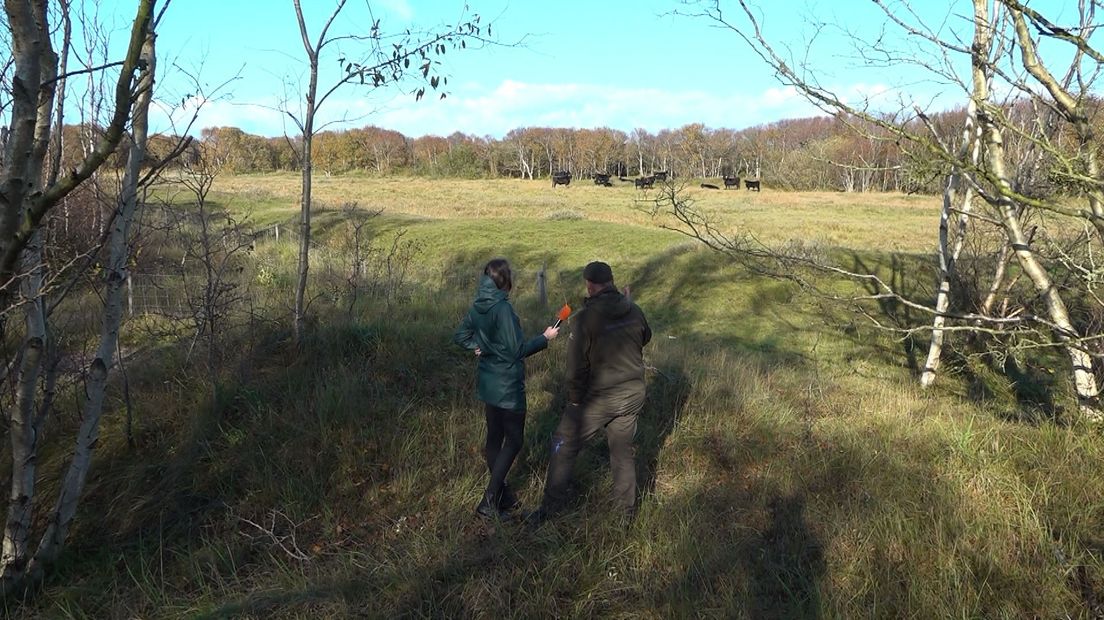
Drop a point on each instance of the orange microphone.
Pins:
(562, 315)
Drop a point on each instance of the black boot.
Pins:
(488, 508)
(507, 499)
(538, 517)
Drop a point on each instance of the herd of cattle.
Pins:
(647, 182)
(735, 182)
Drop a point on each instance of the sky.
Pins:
(623, 64)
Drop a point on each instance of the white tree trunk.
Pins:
(1083, 379)
(948, 257)
(25, 433)
(303, 268)
(115, 270)
(24, 202)
(1003, 258)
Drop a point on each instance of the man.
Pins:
(605, 373)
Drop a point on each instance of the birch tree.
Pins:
(980, 174)
(957, 199)
(27, 422)
(115, 276)
(26, 197)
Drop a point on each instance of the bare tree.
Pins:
(115, 276)
(26, 197)
(979, 174)
(214, 244)
(957, 199)
(27, 422)
(360, 248)
(382, 60)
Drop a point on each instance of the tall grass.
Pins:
(788, 465)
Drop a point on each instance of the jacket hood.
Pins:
(487, 295)
(609, 303)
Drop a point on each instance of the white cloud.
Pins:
(256, 118)
(400, 8)
(869, 95)
(514, 104)
(779, 96)
(511, 104)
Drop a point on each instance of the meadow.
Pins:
(790, 465)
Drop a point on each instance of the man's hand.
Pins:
(478, 352)
(550, 332)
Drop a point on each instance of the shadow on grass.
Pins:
(1018, 391)
(901, 274)
(369, 427)
(495, 573)
(1017, 388)
(299, 460)
(772, 572)
(668, 392)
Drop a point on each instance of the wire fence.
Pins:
(167, 293)
(370, 270)
(157, 293)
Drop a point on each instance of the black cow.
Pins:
(561, 178)
(751, 185)
(644, 182)
(732, 182)
(602, 179)
(709, 186)
(661, 175)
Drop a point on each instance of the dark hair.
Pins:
(499, 271)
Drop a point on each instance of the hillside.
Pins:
(790, 464)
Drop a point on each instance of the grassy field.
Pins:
(790, 466)
(849, 220)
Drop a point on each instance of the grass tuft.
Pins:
(564, 214)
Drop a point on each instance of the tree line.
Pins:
(845, 152)
(817, 153)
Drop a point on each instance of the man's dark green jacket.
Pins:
(605, 358)
(493, 327)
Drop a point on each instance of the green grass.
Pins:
(789, 463)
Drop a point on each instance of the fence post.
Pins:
(541, 288)
(277, 233)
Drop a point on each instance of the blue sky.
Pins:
(579, 64)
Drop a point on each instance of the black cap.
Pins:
(598, 273)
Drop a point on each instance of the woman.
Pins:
(491, 329)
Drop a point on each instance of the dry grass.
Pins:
(790, 466)
(845, 220)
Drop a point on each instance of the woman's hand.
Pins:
(550, 333)
(478, 352)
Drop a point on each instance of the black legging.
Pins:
(505, 432)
